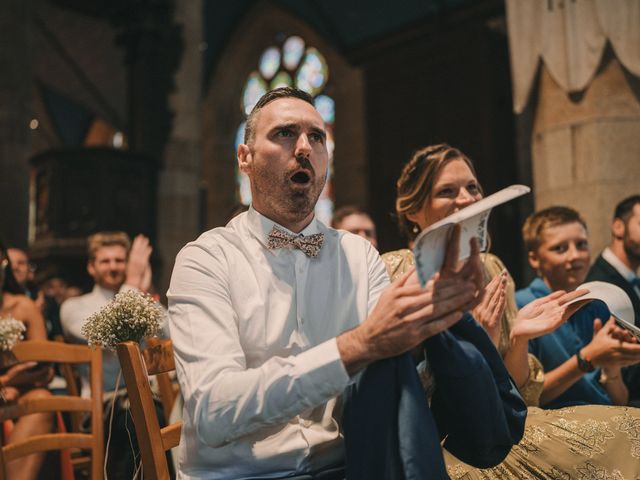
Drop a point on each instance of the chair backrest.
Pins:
(72, 379)
(152, 440)
(168, 389)
(57, 352)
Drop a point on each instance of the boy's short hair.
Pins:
(106, 239)
(535, 225)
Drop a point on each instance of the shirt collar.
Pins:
(260, 226)
(616, 263)
(539, 288)
(103, 292)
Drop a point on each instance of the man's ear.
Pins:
(534, 261)
(91, 269)
(617, 229)
(245, 158)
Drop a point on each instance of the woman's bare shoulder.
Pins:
(19, 307)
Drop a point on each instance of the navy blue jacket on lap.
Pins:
(392, 433)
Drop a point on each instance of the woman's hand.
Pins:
(491, 308)
(9, 394)
(27, 374)
(545, 314)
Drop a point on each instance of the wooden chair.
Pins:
(72, 380)
(152, 440)
(168, 389)
(57, 352)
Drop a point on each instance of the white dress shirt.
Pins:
(254, 333)
(628, 274)
(74, 313)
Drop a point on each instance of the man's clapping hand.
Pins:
(138, 266)
(407, 314)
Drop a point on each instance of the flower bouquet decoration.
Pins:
(130, 316)
(11, 332)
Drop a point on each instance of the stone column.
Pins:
(586, 148)
(178, 188)
(15, 114)
(152, 41)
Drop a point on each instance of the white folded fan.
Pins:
(617, 301)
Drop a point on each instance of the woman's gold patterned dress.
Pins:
(584, 442)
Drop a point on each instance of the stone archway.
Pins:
(222, 115)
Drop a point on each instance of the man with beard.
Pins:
(620, 261)
(115, 264)
(273, 315)
(619, 264)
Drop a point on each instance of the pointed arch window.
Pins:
(290, 63)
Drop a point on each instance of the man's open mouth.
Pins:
(300, 177)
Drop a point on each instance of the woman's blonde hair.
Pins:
(415, 185)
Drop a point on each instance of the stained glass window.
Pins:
(270, 62)
(293, 49)
(327, 108)
(292, 63)
(282, 79)
(253, 90)
(313, 73)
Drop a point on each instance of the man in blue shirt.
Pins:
(583, 358)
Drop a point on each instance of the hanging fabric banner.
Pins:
(570, 37)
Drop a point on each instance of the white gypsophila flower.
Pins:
(130, 316)
(11, 332)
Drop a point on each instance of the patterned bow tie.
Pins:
(310, 245)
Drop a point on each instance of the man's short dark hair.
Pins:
(624, 209)
(343, 212)
(267, 98)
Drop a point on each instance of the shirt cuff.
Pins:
(325, 368)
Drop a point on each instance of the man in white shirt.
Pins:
(272, 315)
(115, 264)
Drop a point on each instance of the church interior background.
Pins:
(119, 114)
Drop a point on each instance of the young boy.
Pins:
(583, 358)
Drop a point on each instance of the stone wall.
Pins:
(586, 149)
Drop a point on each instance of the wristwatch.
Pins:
(584, 365)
